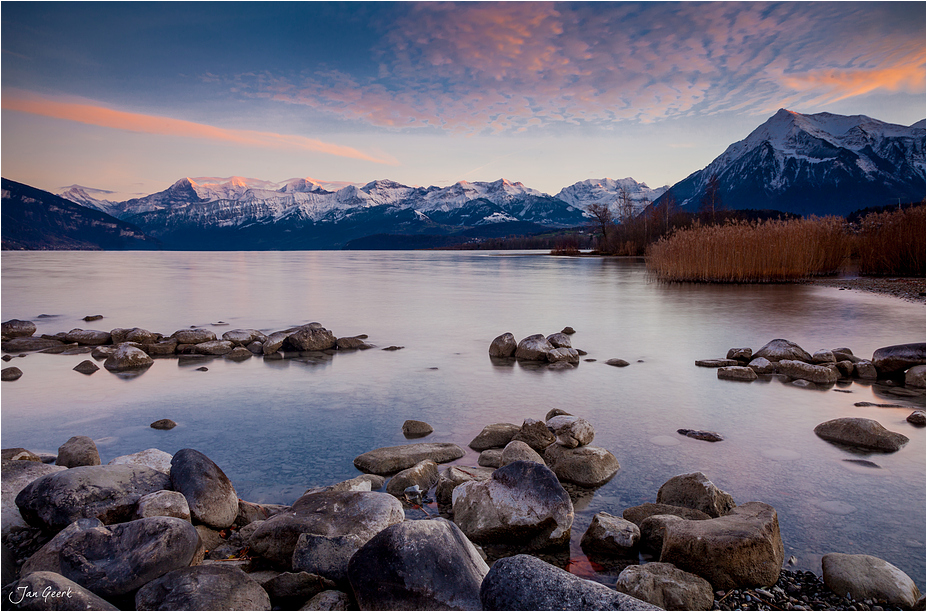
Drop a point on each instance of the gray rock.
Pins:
(28, 343)
(533, 348)
(203, 587)
(618, 363)
(560, 340)
(523, 582)
(15, 476)
(915, 376)
(653, 531)
(586, 466)
(761, 365)
(503, 346)
(208, 490)
(522, 503)
(418, 565)
(249, 512)
(740, 549)
(819, 374)
(416, 429)
(114, 560)
(325, 556)
(163, 424)
(164, 347)
(737, 373)
(860, 432)
(610, 534)
(330, 513)
(535, 434)
(19, 454)
(29, 593)
(844, 354)
(311, 338)
(491, 458)
(352, 344)
(48, 558)
(109, 493)
(391, 459)
(78, 451)
(364, 482)
(86, 367)
(695, 491)
(456, 475)
(214, 347)
(917, 418)
(10, 374)
(496, 435)
(151, 457)
(666, 586)
(553, 412)
(846, 368)
(424, 474)
(823, 356)
(563, 355)
(328, 600)
(517, 450)
(571, 431)
(290, 589)
(865, 370)
(274, 342)
(717, 363)
(193, 336)
(243, 337)
(742, 355)
(898, 358)
(127, 357)
(163, 503)
(698, 434)
(256, 348)
(779, 349)
(88, 337)
(16, 328)
(865, 577)
(637, 514)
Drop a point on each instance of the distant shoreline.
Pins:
(909, 289)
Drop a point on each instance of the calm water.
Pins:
(277, 428)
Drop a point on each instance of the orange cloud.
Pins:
(165, 126)
(842, 84)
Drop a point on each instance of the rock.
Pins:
(491, 458)
(618, 363)
(496, 435)
(865, 369)
(331, 513)
(19, 454)
(78, 451)
(737, 373)
(256, 348)
(533, 348)
(274, 342)
(17, 475)
(586, 466)
(249, 512)
(695, 491)
(846, 369)
(653, 531)
(917, 418)
(16, 328)
(164, 347)
(243, 337)
(52, 591)
(418, 565)
(915, 376)
(290, 589)
(164, 424)
(637, 514)
(740, 549)
(860, 432)
(523, 582)
(571, 431)
(88, 337)
(823, 356)
(535, 434)
(707, 436)
(503, 346)
(777, 350)
(844, 354)
(193, 336)
(48, 558)
(203, 587)
(560, 340)
(898, 358)
(563, 356)
(163, 503)
(310, 338)
(152, 457)
(10, 374)
(106, 492)
(391, 459)
(517, 450)
(553, 412)
(127, 357)
(325, 556)
(742, 355)
(822, 375)
(351, 344)
(215, 347)
(568, 330)
(28, 343)
(416, 429)
(424, 474)
(761, 365)
(522, 503)
(666, 586)
(364, 482)
(328, 600)
(456, 475)
(865, 577)
(394, 348)
(208, 490)
(114, 560)
(86, 367)
(611, 535)
(717, 363)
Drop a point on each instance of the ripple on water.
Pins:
(664, 440)
(834, 506)
(781, 454)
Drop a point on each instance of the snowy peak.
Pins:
(609, 192)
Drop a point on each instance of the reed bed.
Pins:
(893, 243)
(757, 252)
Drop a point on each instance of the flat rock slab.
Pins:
(391, 459)
(717, 363)
(862, 433)
(29, 343)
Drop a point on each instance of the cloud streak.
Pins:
(164, 126)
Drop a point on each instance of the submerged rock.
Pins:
(533, 348)
(860, 432)
(193, 336)
(820, 374)
(737, 373)
(127, 357)
(416, 429)
(86, 367)
(10, 374)
(717, 363)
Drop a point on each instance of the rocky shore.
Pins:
(908, 289)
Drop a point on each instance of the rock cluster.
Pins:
(555, 350)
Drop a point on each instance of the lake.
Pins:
(279, 427)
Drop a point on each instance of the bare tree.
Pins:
(667, 209)
(625, 205)
(603, 218)
(711, 200)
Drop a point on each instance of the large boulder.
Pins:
(78, 451)
(535, 434)
(496, 435)
(637, 514)
(14, 477)
(455, 476)
(610, 534)
(288, 590)
(524, 582)
(586, 466)
(424, 474)
(193, 336)
(865, 577)
(503, 346)
(666, 586)
(312, 337)
(114, 560)
(136, 334)
(391, 459)
(533, 348)
(418, 565)
(52, 591)
(653, 531)
(862, 433)
(127, 357)
(916, 376)
(274, 342)
(163, 503)
(330, 513)
(151, 457)
(106, 492)
(209, 492)
(203, 587)
(761, 365)
(571, 431)
(516, 450)
(325, 556)
(695, 491)
(522, 503)
(898, 358)
(740, 549)
(48, 558)
(560, 340)
(779, 349)
(563, 356)
(16, 328)
(88, 337)
(820, 374)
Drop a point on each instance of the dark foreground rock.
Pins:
(16, 328)
(10, 374)
(203, 587)
(524, 582)
(418, 565)
(16, 476)
(209, 492)
(891, 359)
(503, 346)
(391, 459)
(51, 591)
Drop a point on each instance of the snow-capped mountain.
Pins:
(608, 191)
(815, 164)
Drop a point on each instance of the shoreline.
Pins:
(908, 289)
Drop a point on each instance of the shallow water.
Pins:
(277, 428)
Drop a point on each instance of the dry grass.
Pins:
(893, 243)
(742, 252)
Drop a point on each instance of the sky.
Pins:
(130, 97)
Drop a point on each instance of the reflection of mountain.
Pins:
(36, 219)
(815, 164)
